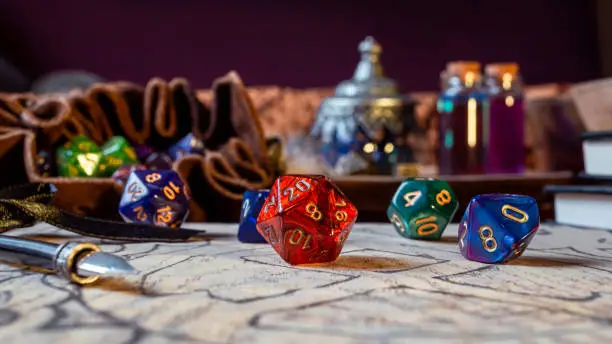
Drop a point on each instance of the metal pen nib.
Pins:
(81, 263)
(105, 264)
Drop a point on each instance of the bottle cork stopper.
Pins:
(462, 67)
(499, 69)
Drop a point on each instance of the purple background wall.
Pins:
(297, 43)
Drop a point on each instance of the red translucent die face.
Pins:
(306, 219)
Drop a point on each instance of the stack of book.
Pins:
(588, 204)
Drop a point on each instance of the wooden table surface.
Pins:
(372, 194)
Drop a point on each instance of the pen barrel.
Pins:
(26, 252)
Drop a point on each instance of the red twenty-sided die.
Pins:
(306, 219)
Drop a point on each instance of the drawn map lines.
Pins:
(383, 289)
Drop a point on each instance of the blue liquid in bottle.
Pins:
(461, 121)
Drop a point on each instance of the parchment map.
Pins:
(383, 289)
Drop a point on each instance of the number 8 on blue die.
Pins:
(496, 228)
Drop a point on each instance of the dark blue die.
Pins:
(187, 145)
(155, 197)
(252, 202)
(45, 164)
(159, 161)
(496, 228)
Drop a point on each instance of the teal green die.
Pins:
(422, 208)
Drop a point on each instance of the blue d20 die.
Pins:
(496, 228)
(252, 202)
(187, 145)
(159, 198)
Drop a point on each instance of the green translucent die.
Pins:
(422, 208)
(116, 152)
(79, 158)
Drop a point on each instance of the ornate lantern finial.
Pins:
(368, 79)
(369, 66)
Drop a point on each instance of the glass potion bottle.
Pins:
(505, 112)
(461, 127)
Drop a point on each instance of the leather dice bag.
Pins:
(158, 115)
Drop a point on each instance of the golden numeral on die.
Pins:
(426, 225)
(443, 197)
(140, 214)
(314, 212)
(171, 190)
(341, 215)
(113, 161)
(152, 178)
(507, 211)
(298, 237)
(164, 214)
(488, 241)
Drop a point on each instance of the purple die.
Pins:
(159, 161)
(496, 228)
(121, 175)
(159, 198)
(187, 145)
(143, 152)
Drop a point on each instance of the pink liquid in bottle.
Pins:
(505, 151)
(505, 115)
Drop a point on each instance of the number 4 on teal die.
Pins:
(422, 208)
